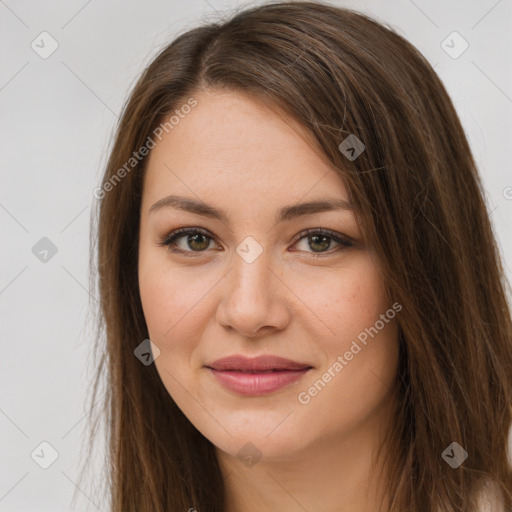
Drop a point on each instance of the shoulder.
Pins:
(490, 499)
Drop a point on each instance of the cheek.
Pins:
(171, 298)
(172, 310)
(367, 330)
(360, 359)
(158, 298)
(362, 330)
(343, 301)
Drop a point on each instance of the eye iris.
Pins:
(203, 241)
(324, 244)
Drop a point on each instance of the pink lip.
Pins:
(257, 376)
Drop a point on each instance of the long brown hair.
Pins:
(419, 201)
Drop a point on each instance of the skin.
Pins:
(237, 154)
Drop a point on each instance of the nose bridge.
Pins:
(252, 298)
(251, 278)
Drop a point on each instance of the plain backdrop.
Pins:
(58, 113)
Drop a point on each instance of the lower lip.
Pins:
(254, 384)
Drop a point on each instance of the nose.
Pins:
(255, 298)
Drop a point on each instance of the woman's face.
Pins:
(253, 282)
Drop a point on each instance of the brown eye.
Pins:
(187, 241)
(198, 242)
(320, 241)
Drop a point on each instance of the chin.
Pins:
(244, 447)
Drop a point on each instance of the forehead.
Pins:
(231, 144)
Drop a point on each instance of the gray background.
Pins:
(58, 116)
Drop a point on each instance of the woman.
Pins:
(292, 215)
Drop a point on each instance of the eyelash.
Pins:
(169, 240)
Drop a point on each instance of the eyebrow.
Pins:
(285, 214)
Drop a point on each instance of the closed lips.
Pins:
(261, 364)
(257, 376)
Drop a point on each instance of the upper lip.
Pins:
(256, 364)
